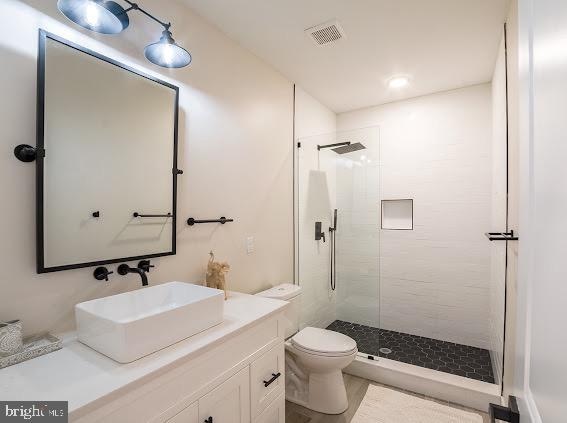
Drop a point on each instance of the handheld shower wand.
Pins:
(333, 252)
(335, 221)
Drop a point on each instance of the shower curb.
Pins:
(443, 386)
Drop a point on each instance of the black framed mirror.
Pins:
(106, 162)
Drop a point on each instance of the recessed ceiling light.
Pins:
(398, 82)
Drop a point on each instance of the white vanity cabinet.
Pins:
(231, 373)
(240, 380)
(254, 394)
(229, 402)
(187, 415)
(267, 379)
(275, 413)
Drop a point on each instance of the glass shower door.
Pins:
(358, 240)
(339, 174)
(315, 202)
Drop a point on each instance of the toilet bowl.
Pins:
(314, 359)
(322, 355)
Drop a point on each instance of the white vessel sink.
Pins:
(126, 327)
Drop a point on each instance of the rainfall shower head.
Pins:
(349, 148)
(343, 147)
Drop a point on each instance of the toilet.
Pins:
(314, 358)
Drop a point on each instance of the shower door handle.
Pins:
(318, 233)
(501, 236)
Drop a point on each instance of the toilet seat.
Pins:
(324, 343)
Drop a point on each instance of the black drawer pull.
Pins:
(209, 420)
(272, 380)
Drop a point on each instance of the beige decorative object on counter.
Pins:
(215, 274)
(33, 347)
(10, 338)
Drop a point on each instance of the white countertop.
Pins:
(80, 375)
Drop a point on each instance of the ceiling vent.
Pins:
(326, 33)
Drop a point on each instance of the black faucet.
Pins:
(124, 269)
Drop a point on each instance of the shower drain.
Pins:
(385, 351)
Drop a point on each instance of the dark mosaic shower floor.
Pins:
(433, 354)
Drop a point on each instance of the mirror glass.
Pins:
(109, 136)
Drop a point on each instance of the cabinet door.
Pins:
(187, 415)
(275, 413)
(267, 379)
(229, 402)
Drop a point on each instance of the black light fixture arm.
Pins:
(136, 6)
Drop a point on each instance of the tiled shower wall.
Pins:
(435, 149)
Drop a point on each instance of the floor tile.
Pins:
(448, 357)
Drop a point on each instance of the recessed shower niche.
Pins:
(397, 214)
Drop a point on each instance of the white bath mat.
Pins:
(383, 405)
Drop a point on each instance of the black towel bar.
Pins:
(136, 214)
(192, 221)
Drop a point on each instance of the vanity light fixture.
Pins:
(108, 17)
(167, 53)
(105, 17)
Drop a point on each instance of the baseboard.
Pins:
(528, 408)
(444, 386)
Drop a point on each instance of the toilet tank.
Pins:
(292, 294)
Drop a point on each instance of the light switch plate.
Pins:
(250, 245)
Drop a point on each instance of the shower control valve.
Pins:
(319, 234)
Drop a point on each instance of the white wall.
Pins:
(513, 85)
(311, 117)
(518, 346)
(436, 149)
(235, 146)
(543, 275)
(540, 341)
(315, 199)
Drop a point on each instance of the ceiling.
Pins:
(439, 44)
